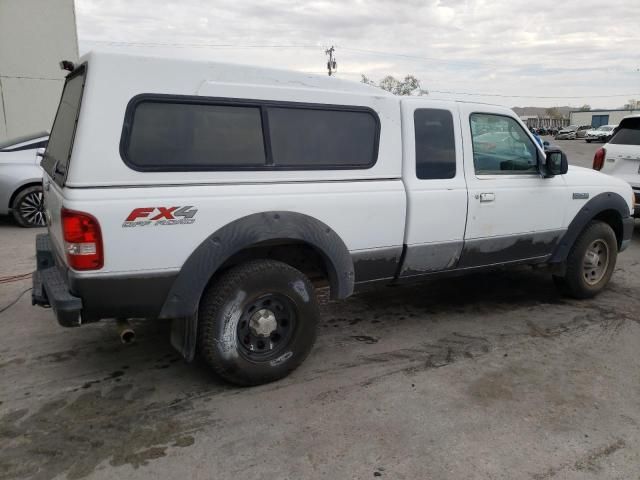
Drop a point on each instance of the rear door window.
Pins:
(435, 144)
(58, 152)
(628, 133)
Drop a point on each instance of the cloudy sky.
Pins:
(512, 52)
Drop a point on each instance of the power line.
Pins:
(418, 57)
(331, 64)
(448, 61)
(196, 45)
(463, 62)
(531, 96)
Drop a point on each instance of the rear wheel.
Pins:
(590, 262)
(28, 207)
(257, 322)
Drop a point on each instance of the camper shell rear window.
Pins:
(58, 152)
(186, 133)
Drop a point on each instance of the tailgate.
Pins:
(623, 161)
(53, 200)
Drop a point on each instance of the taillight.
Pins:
(598, 158)
(82, 240)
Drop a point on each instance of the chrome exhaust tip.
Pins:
(126, 332)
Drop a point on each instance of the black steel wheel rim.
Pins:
(31, 208)
(266, 327)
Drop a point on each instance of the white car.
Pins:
(600, 134)
(21, 179)
(220, 196)
(567, 133)
(621, 156)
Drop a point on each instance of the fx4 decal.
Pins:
(143, 216)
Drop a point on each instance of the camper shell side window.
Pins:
(186, 133)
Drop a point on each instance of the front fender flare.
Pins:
(591, 209)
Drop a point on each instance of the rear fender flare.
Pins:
(183, 299)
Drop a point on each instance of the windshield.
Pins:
(56, 157)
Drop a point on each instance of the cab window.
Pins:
(435, 144)
(501, 146)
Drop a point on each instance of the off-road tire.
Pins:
(574, 283)
(27, 207)
(224, 306)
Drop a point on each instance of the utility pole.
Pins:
(332, 66)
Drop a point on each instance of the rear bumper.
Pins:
(77, 299)
(628, 225)
(50, 288)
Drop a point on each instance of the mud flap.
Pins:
(184, 336)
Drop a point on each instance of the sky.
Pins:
(510, 52)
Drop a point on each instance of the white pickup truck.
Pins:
(220, 196)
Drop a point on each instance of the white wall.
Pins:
(34, 36)
(584, 118)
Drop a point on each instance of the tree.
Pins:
(585, 108)
(554, 113)
(632, 105)
(410, 85)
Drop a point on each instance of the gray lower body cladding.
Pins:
(511, 248)
(122, 297)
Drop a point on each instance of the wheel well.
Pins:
(15, 194)
(300, 255)
(614, 220)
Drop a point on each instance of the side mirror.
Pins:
(556, 162)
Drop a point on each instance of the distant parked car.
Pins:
(21, 179)
(621, 156)
(567, 133)
(582, 130)
(601, 134)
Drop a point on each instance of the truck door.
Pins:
(514, 214)
(433, 174)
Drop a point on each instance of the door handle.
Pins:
(487, 197)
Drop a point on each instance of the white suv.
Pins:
(621, 156)
(220, 196)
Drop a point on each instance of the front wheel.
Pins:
(257, 322)
(590, 262)
(28, 207)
